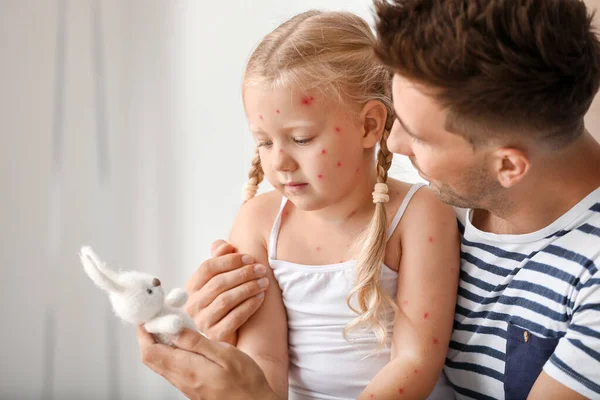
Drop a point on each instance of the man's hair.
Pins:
(500, 67)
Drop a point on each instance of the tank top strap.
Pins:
(402, 208)
(275, 230)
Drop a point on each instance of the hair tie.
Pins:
(250, 190)
(380, 195)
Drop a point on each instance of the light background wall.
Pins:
(121, 126)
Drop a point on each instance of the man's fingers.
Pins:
(227, 281)
(215, 244)
(214, 266)
(220, 248)
(194, 342)
(239, 315)
(224, 303)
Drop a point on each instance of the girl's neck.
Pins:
(355, 204)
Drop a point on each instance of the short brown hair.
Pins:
(528, 67)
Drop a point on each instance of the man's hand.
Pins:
(205, 369)
(224, 292)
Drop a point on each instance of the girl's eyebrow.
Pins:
(288, 127)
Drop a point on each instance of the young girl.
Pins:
(373, 323)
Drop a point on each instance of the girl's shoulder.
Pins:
(258, 214)
(424, 208)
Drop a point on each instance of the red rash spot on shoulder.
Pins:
(430, 239)
(339, 164)
(401, 390)
(318, 249)
(426, 315)
(260, 116)
(435, 341)
(323, 151)
(357, 170)
(337, 129)
(416, 371)
(320, 176)
(278, 112)
(372, 396)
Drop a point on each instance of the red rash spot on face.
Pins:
(435, 341)
(426, 315)
(323, 151)
(430, 239)
(405, 303)
(339, 164)
(372, 396)
(357, 170)
(416, 371)
(285, 214)
(261, 117)
(278, 112)
(307, 101)
(318, 249)
(401, 390)
(320, 176)
(338, 129)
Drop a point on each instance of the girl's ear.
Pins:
(102, 277)
(373, 117)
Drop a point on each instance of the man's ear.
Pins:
(510, 166)
(373, 117)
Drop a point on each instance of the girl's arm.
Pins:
(427, 291)
(264, 336)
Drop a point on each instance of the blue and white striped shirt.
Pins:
(527, 302)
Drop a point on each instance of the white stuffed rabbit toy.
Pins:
(138, 298)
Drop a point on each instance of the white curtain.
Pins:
(121, 127)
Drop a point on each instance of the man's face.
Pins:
(457, 173)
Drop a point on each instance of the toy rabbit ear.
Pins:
(102, 276)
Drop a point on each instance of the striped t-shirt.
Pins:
(526, 303)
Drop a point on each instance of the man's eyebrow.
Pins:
(409, 131)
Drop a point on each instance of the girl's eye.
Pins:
(303, 141)
(265, 144)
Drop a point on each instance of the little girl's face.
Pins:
(310, 148)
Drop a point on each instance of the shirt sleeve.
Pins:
(575, 362)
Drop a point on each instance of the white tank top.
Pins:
(323, 365)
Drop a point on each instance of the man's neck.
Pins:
(554, 187)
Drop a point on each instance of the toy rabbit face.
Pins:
(136, 297)
(142, 297)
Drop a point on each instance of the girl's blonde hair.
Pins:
(333, 52)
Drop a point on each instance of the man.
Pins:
(490, 97)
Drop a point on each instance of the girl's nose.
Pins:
(283, 161)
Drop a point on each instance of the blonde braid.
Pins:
(372, 299)
(255, 176)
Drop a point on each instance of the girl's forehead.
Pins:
(285, 102)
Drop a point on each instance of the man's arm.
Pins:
(546, 388)
(205, 369)
(573, 370)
